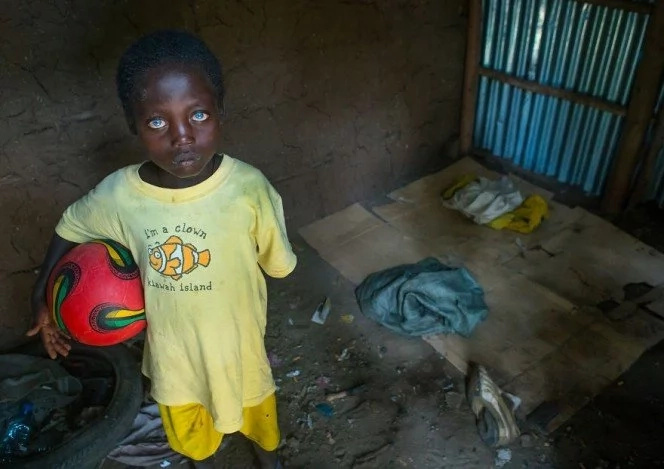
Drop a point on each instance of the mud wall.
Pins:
(335, 100)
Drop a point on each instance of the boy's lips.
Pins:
(185, 159)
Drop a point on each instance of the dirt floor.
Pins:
(411, 412)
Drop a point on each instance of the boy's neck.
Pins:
(153, 174)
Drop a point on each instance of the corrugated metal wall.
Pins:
(657, 187)
(564, 44)
(656, 191)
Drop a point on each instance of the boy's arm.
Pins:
(53, 338)
(93, 216)
(275, 255)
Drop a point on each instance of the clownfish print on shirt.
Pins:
(174, 258)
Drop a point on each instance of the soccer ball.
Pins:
(95, 294)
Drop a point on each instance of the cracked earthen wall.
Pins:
(335, 100)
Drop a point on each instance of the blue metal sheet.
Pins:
(656, 190)
(567, 44)
(660, 100)
(657, 186)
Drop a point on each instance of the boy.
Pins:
(200, 225)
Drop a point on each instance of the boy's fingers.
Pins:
(50, 349)
(55, 340)
(61, 344)
(53, 343)
(60, 335)
(62, 350)
(55, 331)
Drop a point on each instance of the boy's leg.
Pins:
(204, 464)
(267, 459)
(190, 431)
(261, 428)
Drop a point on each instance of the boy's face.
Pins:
(178, 120)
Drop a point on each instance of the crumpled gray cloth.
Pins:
(423, 298)
(146, 444)
(39, 380)
(484, 200)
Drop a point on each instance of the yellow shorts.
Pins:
(190, 429)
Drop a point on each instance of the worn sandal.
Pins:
(495, 418)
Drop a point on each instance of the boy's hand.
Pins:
(55, 341)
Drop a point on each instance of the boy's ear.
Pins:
(131, 122)
(222, 108)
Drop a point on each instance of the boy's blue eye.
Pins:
(200, 116)
(156, 123)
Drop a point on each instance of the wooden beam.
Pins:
(469, 98)
(629, 5)
(647, 82)
(568, 95)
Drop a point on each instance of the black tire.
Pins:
(86, 448)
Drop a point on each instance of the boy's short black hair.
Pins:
(164, 47)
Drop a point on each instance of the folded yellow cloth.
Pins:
(525, 218)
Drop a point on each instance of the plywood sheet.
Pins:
(430, 187)
(543, 340)
(591, 261)
(450, 233)
(357, 243)
(526, 323)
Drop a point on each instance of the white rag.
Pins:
(484, 200)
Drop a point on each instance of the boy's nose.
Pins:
(182, 133)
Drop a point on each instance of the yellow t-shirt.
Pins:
(200, 251)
